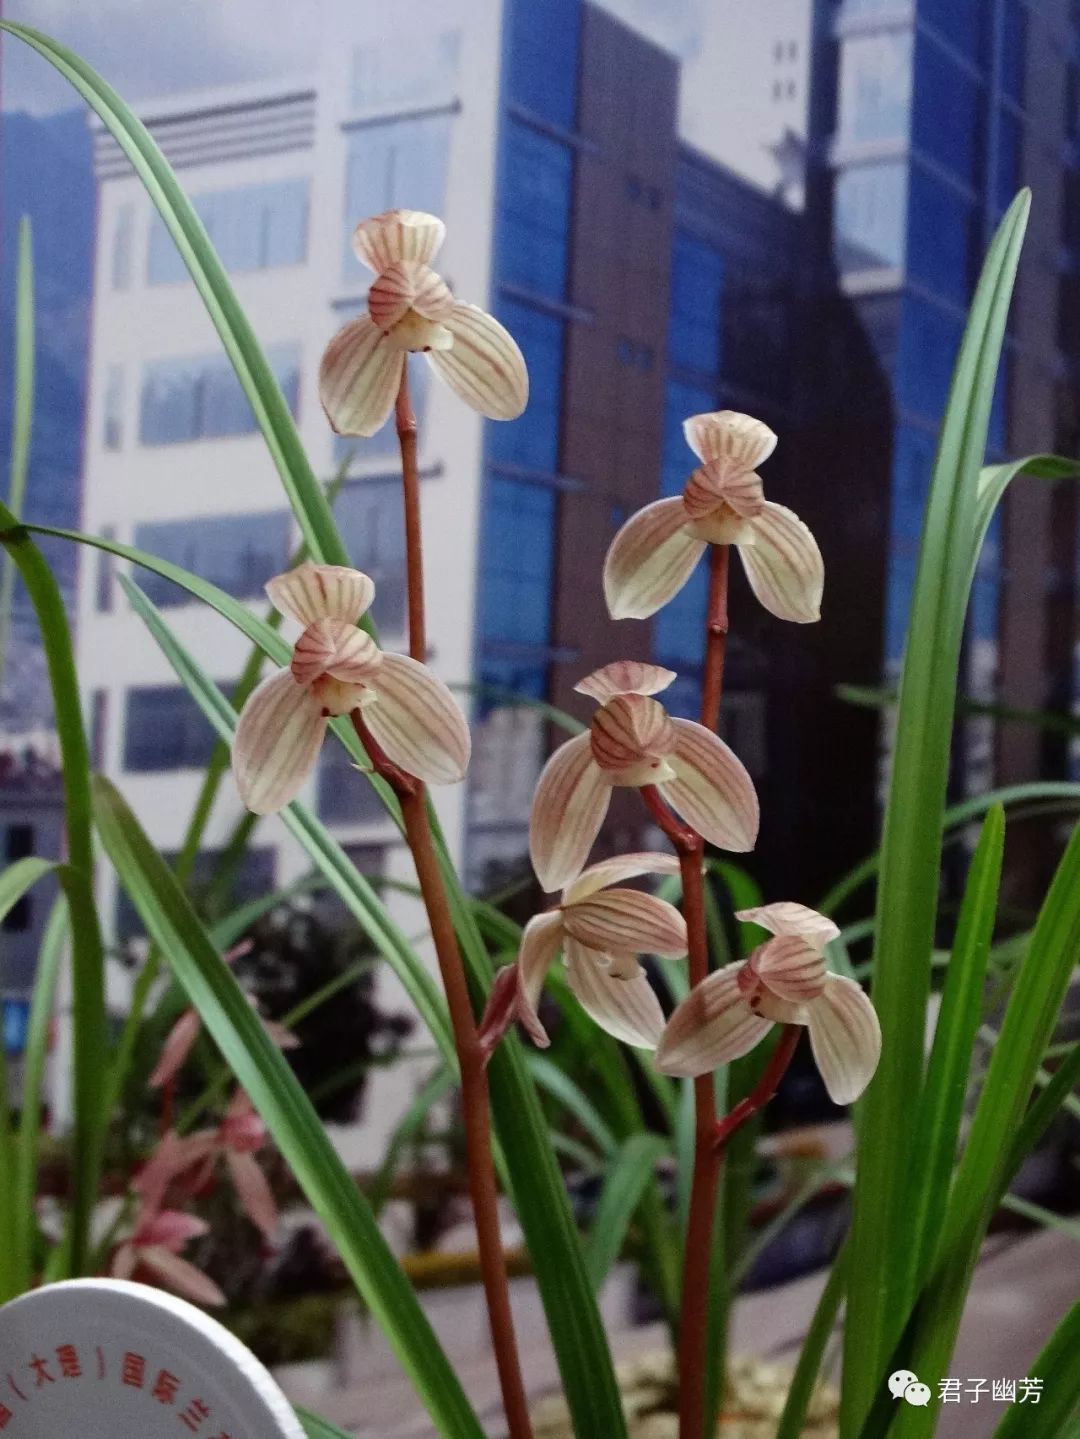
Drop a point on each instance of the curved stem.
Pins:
(475, 1105)
(763, 1091)
(408, 439)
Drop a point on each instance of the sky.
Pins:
(151, 48)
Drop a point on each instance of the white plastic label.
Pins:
(104, 1359)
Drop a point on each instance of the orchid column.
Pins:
(411, 727)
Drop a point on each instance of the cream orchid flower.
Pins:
(783, 982)
(600, 931)
(655, 552)
(634, 742)
(337, 668)
(410, 308)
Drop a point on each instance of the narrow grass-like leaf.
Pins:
(882, 1263)
(941, 1108)
(1028, 1025)
(276, 1093)
(187, 230)
(22, 419)
(88, 961)
(575, 1101)
(317, 1428)
(21, 876)
(793, 1419)
(434, 1089)
(1058, 1376)
(50, 955)
(628, 1176)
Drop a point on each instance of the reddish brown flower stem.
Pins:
(475, 1105)
(408, 439)
(763, 1091)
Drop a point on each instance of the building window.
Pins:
(394, 164)
(238, 553)
(165, 730)
(958, 20)
(252, 878)
(875, 88)
(929, 341)
(380, 80)
(113, 430)
(697, 283)
(945, 123)
(123, 240)
(366, 859)
(870, 218)
(543, 46)
(508, 746)
(343, 795)
(252, 227)
(519, 560)
(371, 517)
(105, 578)
(99, 712)
(533, 440)
(201, 398)
(535, 204)
(940, 237)
(19, 845)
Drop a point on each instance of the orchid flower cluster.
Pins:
(337, 669)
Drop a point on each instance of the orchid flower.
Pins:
(655, 552)
(181, 1038)
(155, 1244)
(410, 308)
(634, 742)
(238, 1138)
(783, 982)
(600, 931)
(336, 668)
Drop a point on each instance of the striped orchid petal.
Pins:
(484, 366)
(403, 287)
(626, 921)
(649, 560)
(359, 377)
(627, 1009)
(624, 677)
(338, 649)
(730, 435)
(568, 809)
(540, 943)
(615, 870)
(417, 721)
(180, 1277)
(784, 565)
(396, 236)
(845, 1037)
(278, 736)
(712, 790)
(712, 1026)
(722, 482)
(787, 917)
(630, 730)
(321, 592)
(790, 968)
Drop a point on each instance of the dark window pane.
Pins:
(543, 48)
(123, 238)
(929, 341)
(945, 121)
(19, 845)
(99, 711)
(105, 578)
(519, 545)
(201, 397)
(870, 217)
(940, 237)
(1014, 49)
(253, 878)
(535, 211)
(697, 282)
(958, 20)
(533, 441)
(164, 729)
(114, 407)
(238, 553)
